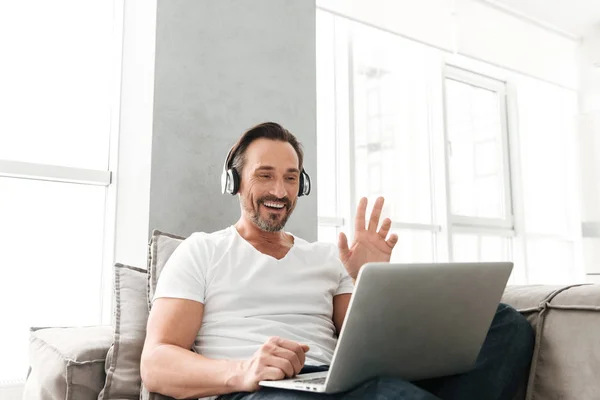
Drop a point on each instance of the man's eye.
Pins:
(265, 175)
(292, 178)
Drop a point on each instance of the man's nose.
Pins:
(278, 189)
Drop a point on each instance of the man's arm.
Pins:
(369, 245)
(170, 368)
(340, 307)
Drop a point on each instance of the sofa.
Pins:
(102, 362)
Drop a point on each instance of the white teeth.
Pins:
(274, 205)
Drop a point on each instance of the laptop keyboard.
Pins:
(314, 381)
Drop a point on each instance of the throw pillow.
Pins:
(122, 366)
(162, 246)
(66, 363)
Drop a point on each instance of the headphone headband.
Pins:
(230, 178)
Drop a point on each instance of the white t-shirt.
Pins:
(249, 296)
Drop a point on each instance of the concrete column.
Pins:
(222, 67)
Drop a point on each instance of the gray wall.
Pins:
(222, 67)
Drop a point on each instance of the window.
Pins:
(391, 136)
(386, 134)
(477, 150)
(326, 118)
(54, 167)
(332, 98)
(476, 163)
(471, 247)
(391, 130)
(481, 217)
(551, 222)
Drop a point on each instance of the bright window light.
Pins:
(57, 94)
(52, 238)
(55, 82)
(477, 182)
(391, 125)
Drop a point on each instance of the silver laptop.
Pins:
(410, 321)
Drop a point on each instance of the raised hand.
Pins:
(369, 245)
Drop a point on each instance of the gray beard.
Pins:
(268, 225)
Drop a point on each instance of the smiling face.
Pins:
(269, 183)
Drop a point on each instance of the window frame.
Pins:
(452, 72)
(83, 176)
(489, 76)
(345, 122)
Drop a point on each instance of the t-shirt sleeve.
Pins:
(345, 285)
(184, 274)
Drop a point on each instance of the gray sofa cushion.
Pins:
(67, 363)
(162, 245)
(566, 357)
(123, 380)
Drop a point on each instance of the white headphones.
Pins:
(230, 179)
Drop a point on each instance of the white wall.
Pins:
(131, 158)
(427, 21)
(589, 152)
(474, 29)
(493, 36)
(12, 392)
(135, 135)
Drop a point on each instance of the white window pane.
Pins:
(489, 196)
(52, 239)
(55, 81)
(486, 158)
(328, 234)
(465, 248)
(494, 248)
(477, 180)
(391, 124)
(550, 261)
(546, 132)
(468, 247)
(474, 248)
(413, 246)
(326, 140)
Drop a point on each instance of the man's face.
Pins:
(269, 183)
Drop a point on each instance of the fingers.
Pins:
(292, 352)
(276, 359)
(291, 357)
(283, 364)
(298, 349)
(361, 210)
(271, 374)
(375, 214)
(385, 228)
(392, 240)
(343, 247)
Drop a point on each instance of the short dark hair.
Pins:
(267, 130)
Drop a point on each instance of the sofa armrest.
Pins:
(67, 363)
(566, 359)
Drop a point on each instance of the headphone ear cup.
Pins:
(234, 180)
(301, 185)
(304, 187)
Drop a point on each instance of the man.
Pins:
(262, 304)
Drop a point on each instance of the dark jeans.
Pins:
(502, 365)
